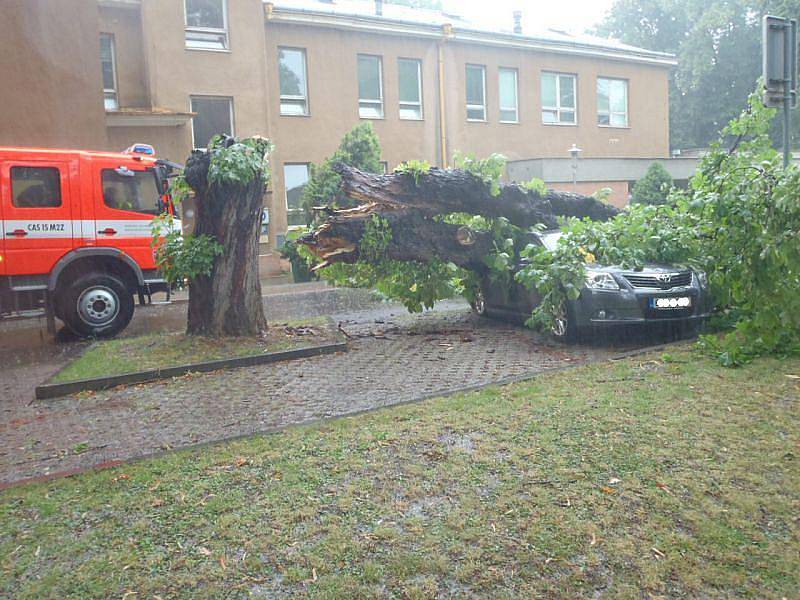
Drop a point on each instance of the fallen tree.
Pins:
(416, 206)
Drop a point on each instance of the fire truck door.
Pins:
(36, 208)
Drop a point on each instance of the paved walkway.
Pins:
(393, 358)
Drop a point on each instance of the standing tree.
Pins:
(654, 187)
(359, 148)
(228, 181)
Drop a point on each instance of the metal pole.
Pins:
(787, 90)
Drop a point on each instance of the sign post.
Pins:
(779, 42)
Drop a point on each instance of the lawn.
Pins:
(655, 476)
(160, 350)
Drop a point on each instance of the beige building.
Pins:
(107, 73)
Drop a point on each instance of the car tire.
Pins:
(564, 329)
(478, 303)
(97, 305)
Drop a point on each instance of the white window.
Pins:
(370, 87)
(409, 72)
(207, 24)
(612, 102)
(558, 98)
(476, 93)
(108, 62)
(295, 178)
(214, 117)
(292, 75)
(508, 96)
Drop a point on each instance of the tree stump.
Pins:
(227, 301)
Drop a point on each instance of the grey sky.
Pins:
(566, 15)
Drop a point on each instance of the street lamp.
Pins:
(574, 152)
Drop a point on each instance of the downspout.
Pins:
(447, 31)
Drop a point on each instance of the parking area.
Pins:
(393, 357)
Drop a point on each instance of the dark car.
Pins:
(611, 297)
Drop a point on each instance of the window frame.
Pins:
(14, 196)
(418, 105)
(138, 175)
(212, 97)
(484, 106)
(610, 112)
(225, 31)
(500, 107)
(371, 101)
(289, 210)
(110, 93)
(306, 110)
(558, 108)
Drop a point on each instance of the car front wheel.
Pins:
(478, 304)
(564, 328)
(97, 305)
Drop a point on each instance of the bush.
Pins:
(654, 187)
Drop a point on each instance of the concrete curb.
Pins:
(54, 390)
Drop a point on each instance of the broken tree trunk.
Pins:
(409, 206)
(227, 302)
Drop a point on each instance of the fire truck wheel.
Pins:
(97, 306)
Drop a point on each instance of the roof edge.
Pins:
(383, 25)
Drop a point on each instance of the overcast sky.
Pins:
(567, 15)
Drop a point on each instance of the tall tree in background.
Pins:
(718, 45)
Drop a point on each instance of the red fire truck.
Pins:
(76, 234)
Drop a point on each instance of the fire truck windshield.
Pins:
(134, 190)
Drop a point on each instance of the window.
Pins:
(612, 102)
(35, 187)
(136, 191)
(295, 178)
(508, 96)
(108, 62)
(207, 24)
(558, 98)
(370, 87)
(292, 74)
(476, 93)
(409, 73)
(214, 116)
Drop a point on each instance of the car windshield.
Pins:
(550, 239)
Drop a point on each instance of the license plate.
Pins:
(674, 303)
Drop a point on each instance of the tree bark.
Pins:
(228, 301)
(410, 206)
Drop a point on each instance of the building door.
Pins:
(37, 215)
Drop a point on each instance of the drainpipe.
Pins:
(447, 31)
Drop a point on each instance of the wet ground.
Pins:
(393, 357)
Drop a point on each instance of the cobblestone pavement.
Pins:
(393, 358)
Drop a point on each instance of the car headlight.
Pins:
(702, 278)
(600, 280)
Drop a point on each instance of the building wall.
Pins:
(646, 136)
(51, 93)
(51, 51)
(125, 24)
(331, 57)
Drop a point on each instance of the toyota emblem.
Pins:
(664, 277)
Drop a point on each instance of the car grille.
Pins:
(681, 279)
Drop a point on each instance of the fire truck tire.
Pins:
(97, 305)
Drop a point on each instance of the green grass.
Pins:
(159, 350)
(642, 478)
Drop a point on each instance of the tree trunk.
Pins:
(410, 206)
(228, 301)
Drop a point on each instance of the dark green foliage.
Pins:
(654, 187)
(359, 148)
